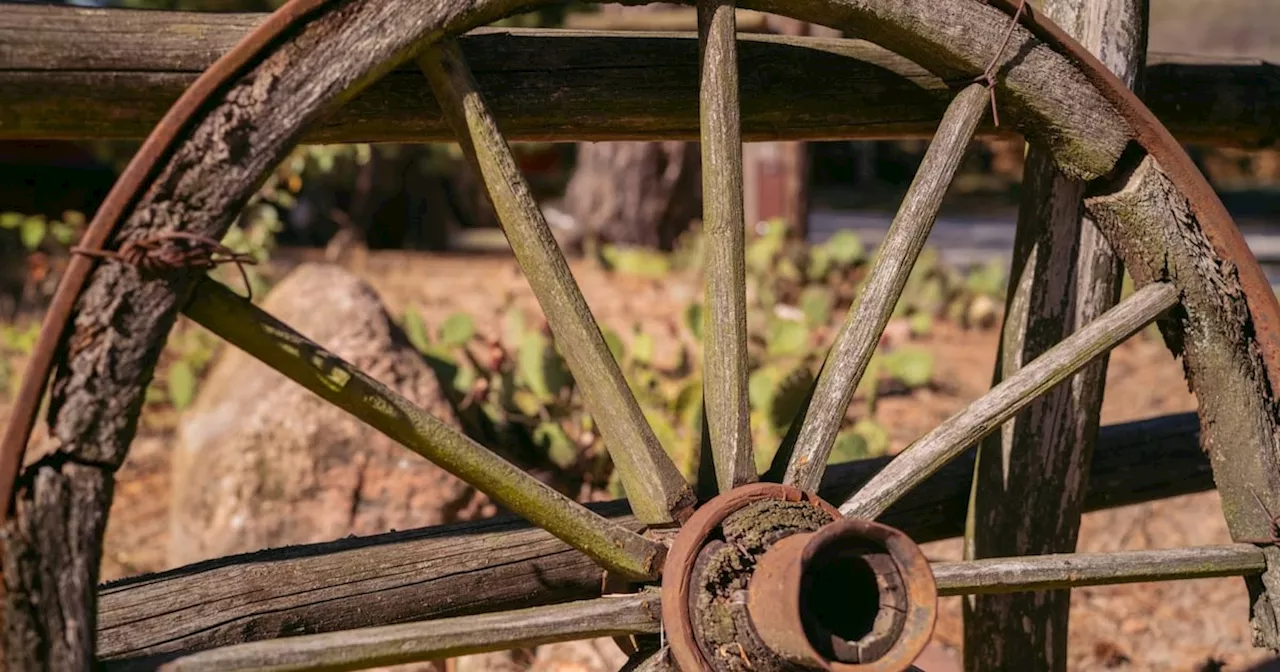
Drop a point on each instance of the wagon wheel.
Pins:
(764, 575)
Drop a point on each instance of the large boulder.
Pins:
(261, 462)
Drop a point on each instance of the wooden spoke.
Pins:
(249, 328)
(656, 489)
(724, 370)
(650, 661)
(808, 444)
(1073, 570)
(960, 431)
(432, 640)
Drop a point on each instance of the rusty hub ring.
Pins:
(677, 573)
(794, 553)
(777, 603)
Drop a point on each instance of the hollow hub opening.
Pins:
(852, 603)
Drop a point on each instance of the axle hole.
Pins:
(841, 603)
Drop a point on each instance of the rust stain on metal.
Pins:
(789, 623)
(678, 571)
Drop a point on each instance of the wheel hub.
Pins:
(769, 578)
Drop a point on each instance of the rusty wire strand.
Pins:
(166, 251)
(988, 76)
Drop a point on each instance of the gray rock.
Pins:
(261, 462)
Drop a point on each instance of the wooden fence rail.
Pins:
(506, 564)
(70, 73)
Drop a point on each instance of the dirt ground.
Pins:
(1187, 626)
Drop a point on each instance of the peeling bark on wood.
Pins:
(468, 568)
(1029, 483)
(70, 72)
(1212, 331)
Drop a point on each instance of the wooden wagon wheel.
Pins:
(202, 162)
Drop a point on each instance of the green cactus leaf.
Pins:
(849, 446)
(687, 404)
(921, 324)
(987, 279)
(845, 248)
(560, 449)
(693, 319)
(642, 348)
(816, 301)
(765, 248)
(913, 366)
(681, 451)
(415, 328)
(636, 261)
(32, 231)
(614, 341)
(531, 364)
(464, 377)
(526, 402)
(513, 327)
(876, 436)
(457, 330)
(787, 337)
(789, 397)
(760, 387)
(181, 382)
(820, 263)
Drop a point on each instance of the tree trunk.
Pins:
(632, 193)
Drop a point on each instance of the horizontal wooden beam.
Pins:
(74, 73)
(505, 564)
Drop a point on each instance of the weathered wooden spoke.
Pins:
(249, 328)
(1075, 570)
(432, 640)
(724, 370)
(655, 487)
(987, 413)
(813, 433)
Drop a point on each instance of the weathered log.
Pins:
(505, 564)
(1029, 485)
(69, 72)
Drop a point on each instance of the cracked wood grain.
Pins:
(77, 73)
(727, 420)
(433, 640)
(1029, 480)
(995, 576)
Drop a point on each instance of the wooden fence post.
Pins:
(1031, 476)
